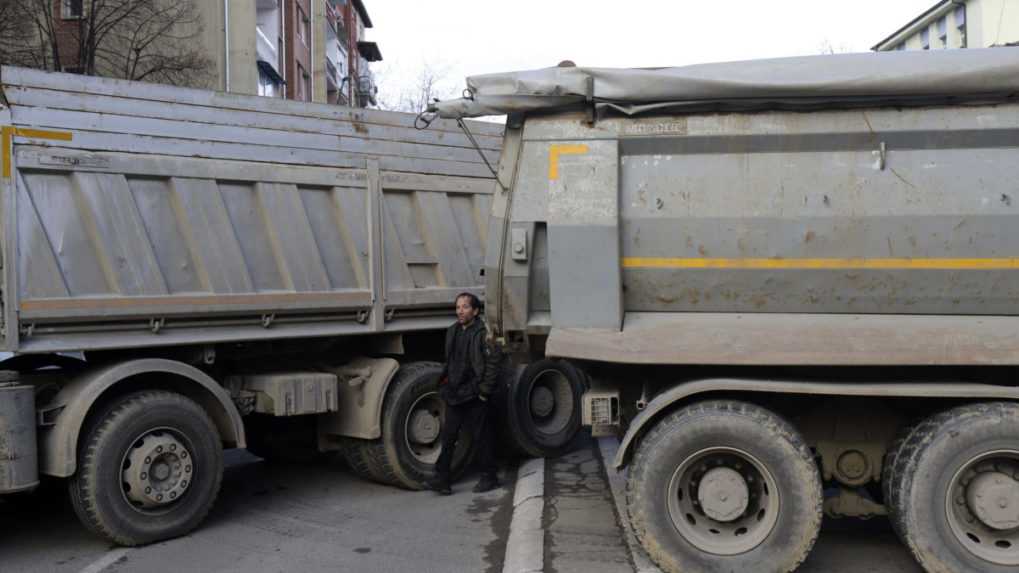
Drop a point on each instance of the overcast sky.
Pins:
(466, 37)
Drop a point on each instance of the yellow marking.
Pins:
(43, 134)
(822, 264)
(7, 134)
(555, 150)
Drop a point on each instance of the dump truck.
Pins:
(186, 271)
(791, 285)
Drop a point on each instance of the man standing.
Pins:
(466, 386)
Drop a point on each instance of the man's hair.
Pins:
(474, 300)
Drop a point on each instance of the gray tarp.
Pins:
(786, 82)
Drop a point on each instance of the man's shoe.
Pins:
(439, 486)
(486, 483)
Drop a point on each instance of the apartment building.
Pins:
(305, 50)
(958, 24)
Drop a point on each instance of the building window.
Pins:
(267, 86)
(302, 26)
(71, 9)
(943, 31)
(270, 83)
(960, 24)
(303, 81)
(925, 38)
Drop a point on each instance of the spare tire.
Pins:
(543, 407)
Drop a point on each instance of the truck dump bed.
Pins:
(143, 215)
(851, 229)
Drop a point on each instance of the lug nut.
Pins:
(159, 449)
(144, 475)
(159, 497)
(173, 447)
(173, 495)
(187, 469)
(148, 460)
(148, 490)
(183, 454)
(184, 483)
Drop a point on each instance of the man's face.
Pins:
(465, 313)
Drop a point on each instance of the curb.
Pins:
(525, 549)
(617, 483)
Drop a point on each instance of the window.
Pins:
(302, 26)
(960, 24)
(71, 9)
(901, 47)
(266, 85)
(303, 88)
(925, 38)
(943, 31)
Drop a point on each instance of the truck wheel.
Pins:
(892, 468)
(149, 469)
(363, 458)
(543, 407)
(725, 486)
(957, 505)
(411, 424)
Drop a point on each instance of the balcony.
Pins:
(332, 76)
(266, 49)
(365, 90)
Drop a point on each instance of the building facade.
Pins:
(958, 24)
(305, 50)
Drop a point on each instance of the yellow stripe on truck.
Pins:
(821, 264)
(7, 134)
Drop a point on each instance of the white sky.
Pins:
(466, 37)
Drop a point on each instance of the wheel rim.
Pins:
(423, 428)
(157, 470)
(723, 501)
(550, 401)
(982, 506)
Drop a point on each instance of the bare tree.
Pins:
(827, 48)
(153, 40)
(431, 84)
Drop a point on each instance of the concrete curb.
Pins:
(617, 483)
(525, 549)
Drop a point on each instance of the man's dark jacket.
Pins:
(480, 374)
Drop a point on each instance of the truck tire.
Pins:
(956, 497)
(365, 458)
(411, 423)
(725, 486)
(543, 407)
(892, 468)
(149, 468)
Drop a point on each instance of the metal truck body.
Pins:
(794, 294)
(214, 258)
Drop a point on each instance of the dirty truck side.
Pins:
(791, 283)
(185, 271)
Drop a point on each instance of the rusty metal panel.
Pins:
(148, 215)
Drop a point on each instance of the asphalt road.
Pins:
(315, 518)
(321, 518)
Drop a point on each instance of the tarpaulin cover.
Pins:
(809, 81)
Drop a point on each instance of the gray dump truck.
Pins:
(186, 271)
(793, 284)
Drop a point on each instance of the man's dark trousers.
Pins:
(476, 416)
